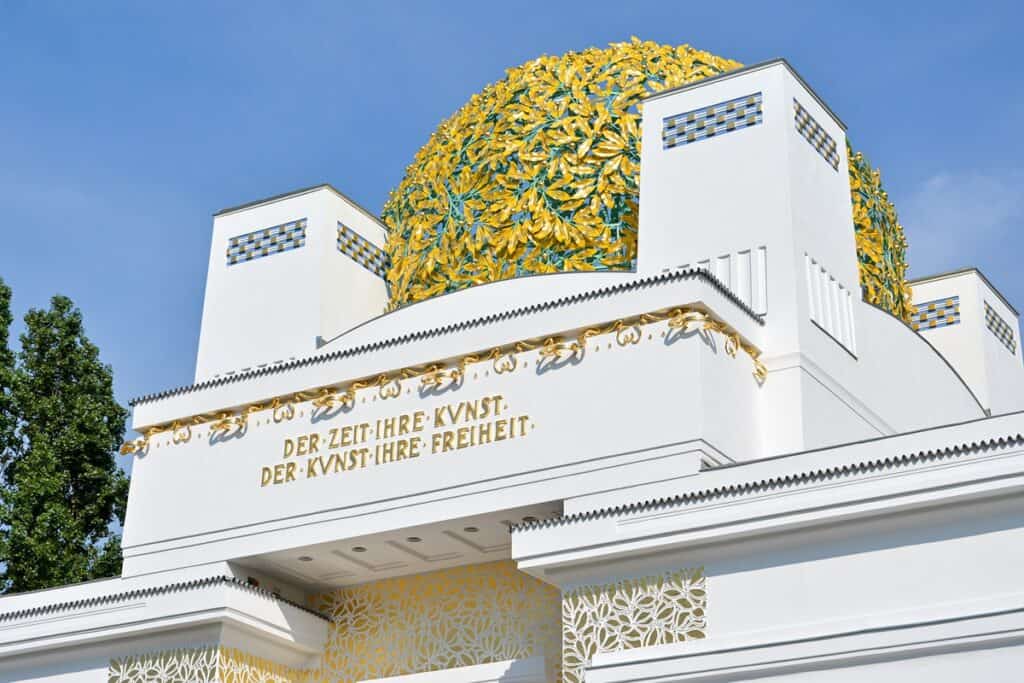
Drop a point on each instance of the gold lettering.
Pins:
(311, 466)
(455, 426)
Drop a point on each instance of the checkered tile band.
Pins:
(1000, 328)
(363, 252)
(816, 135)
(699, 124)
(938, 313)
(254, 245)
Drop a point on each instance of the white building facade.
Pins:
(723, 465)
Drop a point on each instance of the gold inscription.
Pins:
(346, 448)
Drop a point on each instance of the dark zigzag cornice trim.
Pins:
(776, 483)
(156, 590)
(610, 290)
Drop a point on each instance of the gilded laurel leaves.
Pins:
(881, 243)
(457, 617)
(630, 614)
(538, 173)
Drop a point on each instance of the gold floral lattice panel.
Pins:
(475, 614)
(631, 613)
(200, 665)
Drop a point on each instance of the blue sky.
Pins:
(123, 127)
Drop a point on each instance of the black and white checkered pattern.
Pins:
(700, 124)
(816, 135)
(363, 252)
(260, 243)
(1000, 328)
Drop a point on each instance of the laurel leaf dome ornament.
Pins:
(537, 173)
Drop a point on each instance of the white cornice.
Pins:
(870, 479)
(292, 632)
(881, 637)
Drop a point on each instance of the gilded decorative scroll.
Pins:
(631, 613)
(463, 616)
(504, 359)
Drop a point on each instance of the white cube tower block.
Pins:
(754, 191)
(970, 323)
(746, 175)
(291, 287)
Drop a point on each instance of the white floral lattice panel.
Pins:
(200, 665)
(197, 665)
(631, 613)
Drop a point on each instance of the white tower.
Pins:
(977, 330)
(286, 273)
(746, 174)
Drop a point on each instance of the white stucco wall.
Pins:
(273, 309)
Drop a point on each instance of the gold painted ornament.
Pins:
(537, 173)
(540, 172)
(881, 243)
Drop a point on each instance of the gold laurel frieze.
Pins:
(557, 349)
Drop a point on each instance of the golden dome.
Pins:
(537, 173)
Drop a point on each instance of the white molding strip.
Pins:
(987, 623)
(529, 670)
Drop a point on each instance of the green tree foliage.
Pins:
(61, 487)
(8, 419)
